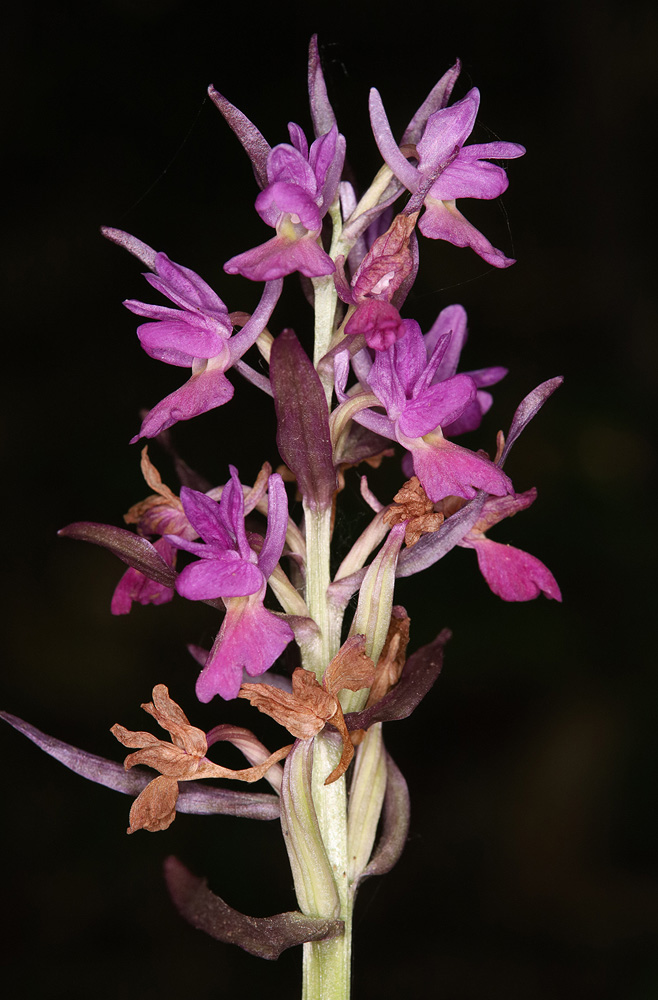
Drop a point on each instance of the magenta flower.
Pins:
(301, 186)
(448, 170)
(196, 335)
(251, 637)
(424, 399)
(511, 573)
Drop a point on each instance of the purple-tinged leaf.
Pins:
(132, 549)
(418, 675)
(528, 409)
(265, 937)
(395, 826)
(192, 798)
(255, 146)
(303, 433)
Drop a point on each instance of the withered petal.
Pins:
(129, 738)
(350, 668)
(265, 937)
(303, 711)
(167, 759)
(154, 479)
(155, 808)
(348, 748)
(171, 717)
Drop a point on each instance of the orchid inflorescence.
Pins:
(374, 380)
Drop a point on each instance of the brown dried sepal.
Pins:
(303, 711)
(393, 656)
(162, 496)
(412, 504)
(184, 759)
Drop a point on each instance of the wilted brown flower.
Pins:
(305, 711)
(412, 504)
(184, 759)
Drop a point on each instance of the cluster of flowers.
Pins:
(391, 383)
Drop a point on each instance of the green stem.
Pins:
(318, 541)
(326, 968)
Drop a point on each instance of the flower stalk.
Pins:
(374, 382)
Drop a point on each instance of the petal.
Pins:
(277, 525)
(231, 511)
(447, 129)
(446, 469)
(450, 320)
(224, 576)
(202, 392)
(511, 573)
(471, 418)
(386, 385)
(251, 638)
(442, 221)
(184, 339)
(203, 513)
(438, 405)
(285, 163)
(409, 356)
(155, 808)
(474, 179)
(184, 287)
(286, 197)
(281, 256)
(380, 322)
(406, 173)
(134, 586)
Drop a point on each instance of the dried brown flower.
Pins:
(184, 759)
(310, 705)
(412, 504)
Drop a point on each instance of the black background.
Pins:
(529, 871)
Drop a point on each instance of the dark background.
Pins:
(530, 870)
